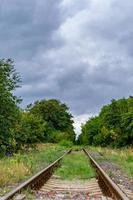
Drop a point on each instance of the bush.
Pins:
(30, 130)
(66, 143)
(113, 126)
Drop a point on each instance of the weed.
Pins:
(18, 168)
(122, 157)
(75, 166)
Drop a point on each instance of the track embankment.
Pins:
(74, 176)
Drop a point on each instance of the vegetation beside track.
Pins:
(112, 127)
(122, 157)
(75, 166)
(21, 166)
(47, 120)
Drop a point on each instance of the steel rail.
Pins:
(36, 181)
(109, 186)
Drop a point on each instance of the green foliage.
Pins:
(59, 136)
(113, 126)
(66, 143)
(31, 129)
(92, 126)
(44, 121)
(9, 112)
(58, 118)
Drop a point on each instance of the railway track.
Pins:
(108, 186)
(47, 186)
(36, 181)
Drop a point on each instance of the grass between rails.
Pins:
(18, 168)
(122, 157)
(75, 166)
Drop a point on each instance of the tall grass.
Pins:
(18, 168)
(123, 157)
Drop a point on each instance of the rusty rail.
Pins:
(108, 186)
(36, 181)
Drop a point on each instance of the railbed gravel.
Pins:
(114, 171)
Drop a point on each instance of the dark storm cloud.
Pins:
(80, 52)
(27, 26)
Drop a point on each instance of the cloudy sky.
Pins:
(78, 51)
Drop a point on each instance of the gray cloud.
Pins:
(78, 52)
(27, 27)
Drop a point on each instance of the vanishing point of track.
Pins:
(101, 188)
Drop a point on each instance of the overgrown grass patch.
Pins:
(75, 166)
(122, 157)
(21, 166)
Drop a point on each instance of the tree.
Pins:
(110, 115)
(9, 111)
(30, 130)
(113, 126)
(89, 130)
(127, 130)
(56, 115)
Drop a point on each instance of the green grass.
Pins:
(122, 157)
(75, 166)
(21, 166)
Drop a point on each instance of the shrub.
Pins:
(30, 130)
(66, 143)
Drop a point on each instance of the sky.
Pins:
(80, 52)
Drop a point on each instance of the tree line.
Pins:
(42, 121)
(112, 127)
